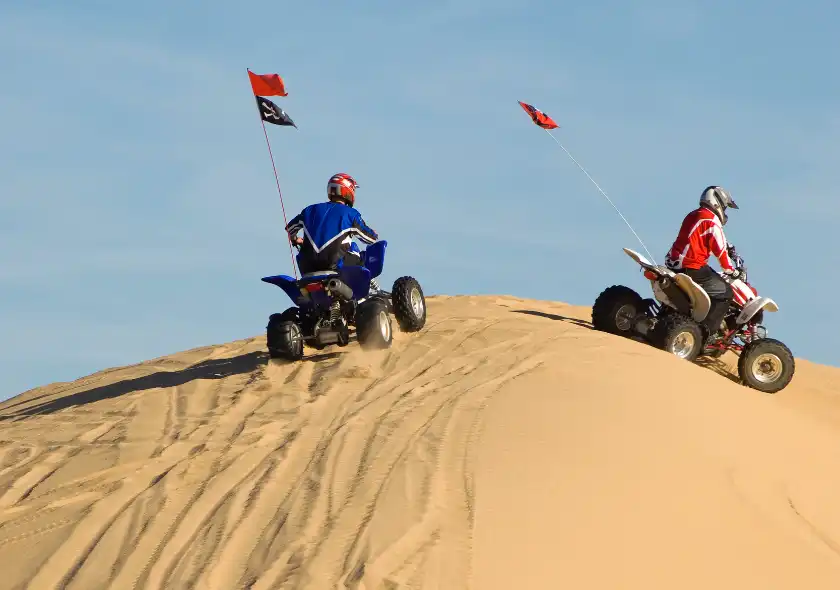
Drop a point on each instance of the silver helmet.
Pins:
(718, 200)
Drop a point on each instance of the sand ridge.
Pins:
(409, 468)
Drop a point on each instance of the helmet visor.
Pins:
(726, 199)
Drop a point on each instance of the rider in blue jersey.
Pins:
(329, 229)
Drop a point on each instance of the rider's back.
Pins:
(324, 222)
(700, 236)
(329, 228)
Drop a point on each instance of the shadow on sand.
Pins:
(212, 369)
(719, 367)
(712, 364)
(552, 316)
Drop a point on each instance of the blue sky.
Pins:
(138, 209)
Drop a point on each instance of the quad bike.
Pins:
(329, 303)
(672, 321)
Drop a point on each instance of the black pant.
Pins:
(326, 260)
(719, 292)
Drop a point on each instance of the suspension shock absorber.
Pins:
(335, 312)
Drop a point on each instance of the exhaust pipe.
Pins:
(340, 289)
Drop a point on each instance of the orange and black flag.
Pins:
(538, 117)
(267, 84)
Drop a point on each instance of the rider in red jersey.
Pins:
(701, 236)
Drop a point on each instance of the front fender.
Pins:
(753, 306)
(374, 257)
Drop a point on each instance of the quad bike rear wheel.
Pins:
(681, 336)
(616, 309)
(409, 304)
(766, 365)
(373, 325)
(283, 336)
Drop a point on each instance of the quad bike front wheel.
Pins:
(284, 337)
(373, 325)
(681, 336)
(615, 310)
(409, 304)
(766, 365)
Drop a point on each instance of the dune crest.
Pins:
(506, 445)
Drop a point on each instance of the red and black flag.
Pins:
(538, 117)
(271, 113)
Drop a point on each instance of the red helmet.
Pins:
(342, 187)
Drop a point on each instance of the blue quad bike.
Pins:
(328, 303)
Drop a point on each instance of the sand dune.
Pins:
(507, 445)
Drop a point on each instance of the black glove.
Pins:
(735, 274)
(736, 259)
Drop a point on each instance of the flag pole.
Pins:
(277, 181)
(602, 192)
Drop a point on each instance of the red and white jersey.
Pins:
(701, 236)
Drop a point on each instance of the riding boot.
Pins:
(714, 319)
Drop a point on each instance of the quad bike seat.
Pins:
(315, 276)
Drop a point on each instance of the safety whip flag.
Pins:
(264, 85)
(267, 84)
(271, 113)
(542, 120)
(538, 117)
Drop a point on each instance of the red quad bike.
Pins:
(672, 322)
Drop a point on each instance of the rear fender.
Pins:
(640, 260)
(656, 269)
(753, 306)
(356, 277)
(669, 293)
(700, 302)
(289, 286)
(296, 290)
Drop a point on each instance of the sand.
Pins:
(507, 445)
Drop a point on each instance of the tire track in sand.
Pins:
(62, 564)
(181, 495)
(360, 439)
(448, 514)
(184, 519)
(323, 463)
(168, 436)
(372, 466)
(309, 448)
(23, 486)
(344, 550)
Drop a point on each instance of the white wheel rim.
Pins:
(296, 339)
(767, 367)
(624, 317)
(384, 325)
(683, 344)
(416, 302)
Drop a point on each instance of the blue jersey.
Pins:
(330, 224)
